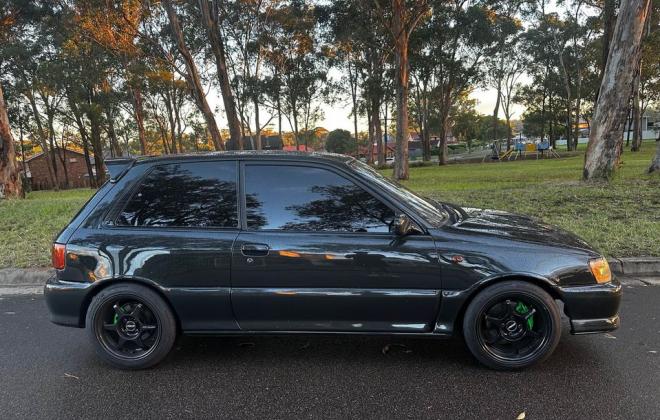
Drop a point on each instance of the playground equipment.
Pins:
(521, 150)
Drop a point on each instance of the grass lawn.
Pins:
(621, 218)
(29, 226)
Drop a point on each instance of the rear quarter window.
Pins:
(191, 194)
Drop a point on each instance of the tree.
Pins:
(210, 20)
(405, 16)
(192, 75)
(606, 136)
(339, 141)
(10, 180)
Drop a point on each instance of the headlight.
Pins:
(600, 268)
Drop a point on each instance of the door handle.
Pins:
(255, 250)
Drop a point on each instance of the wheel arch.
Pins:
(84, 307)
(547, 285)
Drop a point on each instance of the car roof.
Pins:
(119, 165)
(250, 155)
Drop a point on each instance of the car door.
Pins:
(316, 254)
(175, 228)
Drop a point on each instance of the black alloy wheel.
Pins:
(131, 326)
(128, 328)
(512, 325)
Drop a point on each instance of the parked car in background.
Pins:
(289, 243)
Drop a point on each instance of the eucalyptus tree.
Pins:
(506, 28)
(299, 65)
(456, 54)
(10, 181)
(606, 137)
(401, 19)
(363, 48)
(247, 25)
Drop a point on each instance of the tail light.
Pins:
(58, 256)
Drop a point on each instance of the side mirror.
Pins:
(403, 225)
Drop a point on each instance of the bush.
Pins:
(340, 141)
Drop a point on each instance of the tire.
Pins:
(130, 326)
(492, 337)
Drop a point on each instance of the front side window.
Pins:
(197, 194)
(299, 198)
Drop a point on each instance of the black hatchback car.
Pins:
(245, 243)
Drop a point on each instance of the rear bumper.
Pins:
(65, 301)
(594, 308)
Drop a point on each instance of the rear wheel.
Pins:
(512, 325)
(131, 326)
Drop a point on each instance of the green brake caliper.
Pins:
(116, 318)
(522, 309)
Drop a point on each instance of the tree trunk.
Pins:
(378, 131)
(10, 179)
(370, 136)
(62, 156)
(85, 139)
(112, 133)
(193, 78)
(257, 123)
(606, 137)
(443, 150)
(41, 135)
(97, 144)
(138, 109)
(609, 20)
(636, 116)
(354, 82)
(655, 163)
(401, 78)
(210, 22)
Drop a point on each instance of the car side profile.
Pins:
(287, 243)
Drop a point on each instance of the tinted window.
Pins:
(200, 194)
(431, 211)
(312, 199)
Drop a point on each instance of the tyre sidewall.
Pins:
(492, 294)
(159, 308)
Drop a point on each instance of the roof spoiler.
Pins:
(117, 167)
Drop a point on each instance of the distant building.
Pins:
(293, 148)
(36, 169)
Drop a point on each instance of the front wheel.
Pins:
(512, 325)
(131, 326)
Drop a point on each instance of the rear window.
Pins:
(197, 194)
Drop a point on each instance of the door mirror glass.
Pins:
(403, 225)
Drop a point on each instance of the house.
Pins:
(70, 165)
(293, 148)
(389, 152)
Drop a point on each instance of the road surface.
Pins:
(47, 371)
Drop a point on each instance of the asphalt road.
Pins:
(47, 371)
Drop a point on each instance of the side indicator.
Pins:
(601, 270)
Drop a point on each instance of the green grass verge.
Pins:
(621, 218)
(29, 226)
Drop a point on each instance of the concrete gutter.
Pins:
(635, 266)
(19, 281)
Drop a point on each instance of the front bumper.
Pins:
(593, 326)
(593, 308)
(66, 301)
